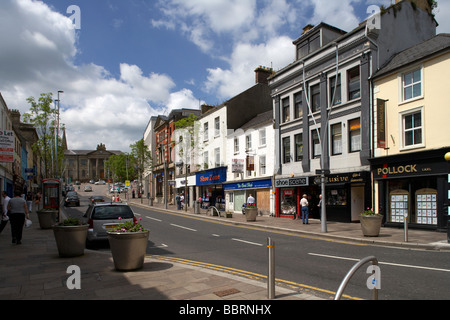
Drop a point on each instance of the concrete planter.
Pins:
(70, 240)
(128, 249)
(251, 213)
(47, 218)
(371, 225)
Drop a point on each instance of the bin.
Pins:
(197, 207)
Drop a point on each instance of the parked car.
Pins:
(95, 199)
(91, 181)
(87, 188)
(72, 198)
(100, 182)
(102, 217)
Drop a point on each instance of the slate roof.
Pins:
(437, 44)
(261, 118)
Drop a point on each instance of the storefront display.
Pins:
(288, 202)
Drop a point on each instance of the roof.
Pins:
(261, 118)
(437, 44)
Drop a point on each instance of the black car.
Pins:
(95, 199)
(72, 198)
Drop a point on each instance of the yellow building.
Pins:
(411, 134)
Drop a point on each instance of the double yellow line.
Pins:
(249, 275)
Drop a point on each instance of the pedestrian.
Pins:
(133, 193)
(18, 212)
(4, 216)
(250, 199)
(29, 198)
(178, 201)
(305, 210)
(182, 200)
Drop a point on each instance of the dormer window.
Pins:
(308, 45)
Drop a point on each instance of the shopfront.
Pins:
(236, 195)
(414, 187)
(347, 195)
(209, 185)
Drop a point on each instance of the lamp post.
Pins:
(57, 133)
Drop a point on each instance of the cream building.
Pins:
(412, 135)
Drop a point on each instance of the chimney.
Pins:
(205, 108)
(15, 116)
(307, 28)
(262, 74)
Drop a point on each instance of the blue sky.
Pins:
(134, 59)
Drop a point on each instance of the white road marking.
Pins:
(175, 225)
(380, 262)
(154, 219)
(253, 243)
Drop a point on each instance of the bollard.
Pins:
(271, 269)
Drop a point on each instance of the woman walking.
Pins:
(17, 207)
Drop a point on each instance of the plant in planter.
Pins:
(371, 223)
(128, 244)
(251, 211)
(47, 217)
(70, 236)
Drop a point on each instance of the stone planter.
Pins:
(128, 249)
(70, 240)
(251, 213)
(47, 218)
(371, 225)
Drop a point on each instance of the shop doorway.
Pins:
(357, 198)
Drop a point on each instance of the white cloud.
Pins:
(37, 57)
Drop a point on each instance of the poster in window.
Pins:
(399, 205)
(426, 206)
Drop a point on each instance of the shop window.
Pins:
(288, 203)
(336, 197)
(426, 206)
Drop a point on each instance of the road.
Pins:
(305, 263)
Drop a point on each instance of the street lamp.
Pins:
(57, 133)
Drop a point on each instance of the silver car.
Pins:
(104, 216)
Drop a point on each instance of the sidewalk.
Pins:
(33, 270)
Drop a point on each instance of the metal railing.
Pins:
(372, 283)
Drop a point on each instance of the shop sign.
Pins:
(355, 177)
(292, 182)
(237, 165)
(213, 176)
(409, 169)
(7, 146)
(267, 183)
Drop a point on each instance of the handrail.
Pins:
(351, 273)
(217, 210)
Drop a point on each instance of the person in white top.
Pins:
(250, 199)
(305, 211)
(4, 217)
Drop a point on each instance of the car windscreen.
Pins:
(112, 212)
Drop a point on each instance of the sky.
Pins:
(121, 62)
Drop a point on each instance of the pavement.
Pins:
(33, 270)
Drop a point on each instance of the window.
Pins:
(298, 147)
(262, 165)
(355, 135)
(354, 86)
(315, 142)
(286, 115)
(309, 45)
(315, 98)
(217, 157)
(336, 139)
(337, 95)
(205, 160)
(412, 84)
(236, 145)
(286, 150)
(217, 127)
(412, 129)
(298, 109)
(205, 131)
(262, 137)
(248, 143)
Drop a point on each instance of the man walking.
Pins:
(305, 210)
